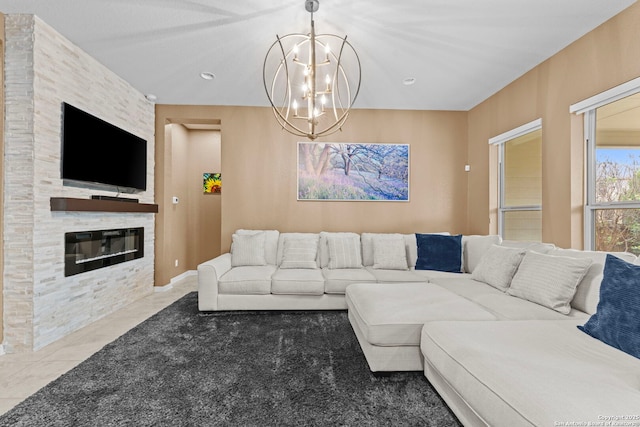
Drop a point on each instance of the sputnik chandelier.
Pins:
(311, 80)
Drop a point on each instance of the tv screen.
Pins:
(95, 152)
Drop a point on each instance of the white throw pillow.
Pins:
(389, 252)
(299, 253)
(549, 280)
(497, 266)
(344, 251)
(271, 238)
(247, 249)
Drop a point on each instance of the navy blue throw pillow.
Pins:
(615, 321)
(439, 252)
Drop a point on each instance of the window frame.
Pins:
(588, 108)
(500, 141)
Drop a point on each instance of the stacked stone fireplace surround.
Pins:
(41, 305)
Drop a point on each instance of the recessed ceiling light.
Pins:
(151, 97)
(207, 75)
(409, 81)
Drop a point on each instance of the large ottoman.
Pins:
(387, 319)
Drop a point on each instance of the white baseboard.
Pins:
(174, 281)
(1, 349)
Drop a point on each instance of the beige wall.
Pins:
(259, 176)
(604, 58)
(1, 174)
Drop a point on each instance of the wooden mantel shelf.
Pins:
(68, 204)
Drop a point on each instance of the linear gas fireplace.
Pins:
(90, 250)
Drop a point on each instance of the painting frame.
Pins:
(353, 171)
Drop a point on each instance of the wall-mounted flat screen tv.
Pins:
(97, 154)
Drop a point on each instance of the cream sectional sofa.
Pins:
(498, 338)
(269, 270)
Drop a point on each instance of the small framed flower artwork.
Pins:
(212, 183)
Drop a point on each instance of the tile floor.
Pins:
(23, 374)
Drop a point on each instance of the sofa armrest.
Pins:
(209, 272)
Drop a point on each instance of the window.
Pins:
(520, 182)
(612, 135)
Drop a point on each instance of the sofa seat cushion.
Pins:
(464, 285)
(392, 314)
(247, 280)
(503, 306)
(297, 281)
(434, 274)
(532, 372)
(385, 276)
(507, 307)
(337, 280)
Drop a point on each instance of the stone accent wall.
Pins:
(42, 70)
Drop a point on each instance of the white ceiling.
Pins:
(459, 51)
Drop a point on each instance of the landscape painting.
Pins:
(350, 171)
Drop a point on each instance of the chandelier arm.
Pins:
(339, 67)
(286, 98)
(264, 74)
(281, 119)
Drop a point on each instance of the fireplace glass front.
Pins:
(90, 250)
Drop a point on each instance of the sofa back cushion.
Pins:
(270, 243)
(588, 290)
(541, 248)
(298, 250)
(474, 247)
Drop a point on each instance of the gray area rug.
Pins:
(186, 368)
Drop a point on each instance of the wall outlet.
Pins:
(467, 168)
(174, 200)
(176, 263)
